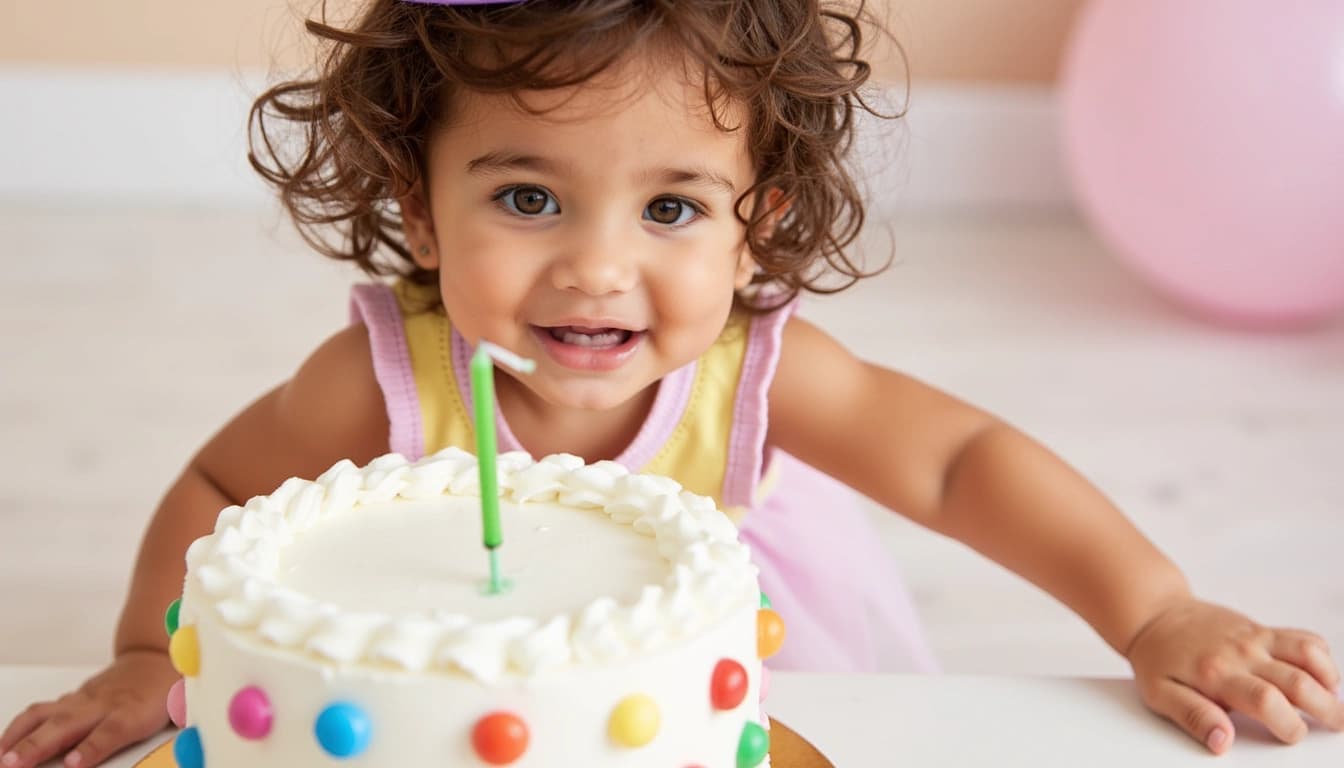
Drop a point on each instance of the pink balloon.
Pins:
(177, 703)
(1206, 143)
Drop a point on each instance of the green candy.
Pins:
(170, 618)
(753, 746)
(765, 600)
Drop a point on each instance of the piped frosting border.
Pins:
(232, 573)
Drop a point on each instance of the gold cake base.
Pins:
(787, 750)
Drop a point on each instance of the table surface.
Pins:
(948, 720)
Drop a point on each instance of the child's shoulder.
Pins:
(329, 409)
(334, 395)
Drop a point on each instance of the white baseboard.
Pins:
(163, 138)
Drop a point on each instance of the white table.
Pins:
(880, 720)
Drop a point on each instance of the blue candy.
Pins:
(187, 749)
(343, 730)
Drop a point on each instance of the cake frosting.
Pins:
(346, 618)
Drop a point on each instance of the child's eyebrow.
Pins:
(494, 163)
(696, 176)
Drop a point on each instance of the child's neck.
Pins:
(542, 429)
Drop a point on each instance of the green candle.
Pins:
(483, 397)
(483, 406)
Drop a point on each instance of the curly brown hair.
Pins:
(384, 83)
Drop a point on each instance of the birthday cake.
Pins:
(352, 617)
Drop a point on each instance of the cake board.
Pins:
(787, 750)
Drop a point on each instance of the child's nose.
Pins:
(598, 262)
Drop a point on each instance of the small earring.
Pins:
(424, 250)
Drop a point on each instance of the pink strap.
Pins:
(747, 456)
(375, 305)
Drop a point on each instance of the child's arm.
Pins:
(963, 473)
(331, 409)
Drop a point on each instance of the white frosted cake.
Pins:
(346, 619)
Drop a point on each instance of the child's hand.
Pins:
(1195, 660)
(121, 705)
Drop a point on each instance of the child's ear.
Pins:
(417, 225)
(778, 207)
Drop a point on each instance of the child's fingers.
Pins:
(1305, 692)
(23, 725)
(117, 731)
(55, 734)
(1193, 712)
(1257, 698)
(1308, 651)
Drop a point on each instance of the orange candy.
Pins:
(769, 633)
(500, 738)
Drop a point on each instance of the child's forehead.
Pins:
(653, 86)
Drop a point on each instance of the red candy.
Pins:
(500, 738)
(728, 687)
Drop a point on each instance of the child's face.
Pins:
(598, 238)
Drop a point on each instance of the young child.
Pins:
(633, 193)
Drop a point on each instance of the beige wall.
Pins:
(977, 40)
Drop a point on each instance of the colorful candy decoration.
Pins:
(769, 633)
(343, 730)
(250, 713)
(170, 618)
(752, 746)
(185, 652)
(765, 682)
(177, 703)
(728, 686)
(635, 721)
(765, 601)
(500, 738)
(187, 749)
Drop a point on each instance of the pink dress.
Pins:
(842, 599)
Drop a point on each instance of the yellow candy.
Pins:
(634, 722)
(185, 652)
(769, 633)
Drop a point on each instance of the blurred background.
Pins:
(151, 288)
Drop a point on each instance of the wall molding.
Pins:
(179, 138)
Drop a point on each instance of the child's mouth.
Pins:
(588, 348)
(590, 337)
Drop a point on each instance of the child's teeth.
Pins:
(601, 339)
(605, 338)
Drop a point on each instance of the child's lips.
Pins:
(588, 347)
(589, 336)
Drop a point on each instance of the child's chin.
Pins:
(590, 396)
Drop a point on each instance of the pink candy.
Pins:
(250, 713)
(177, 703)
(765, 682)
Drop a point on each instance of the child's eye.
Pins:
(527, 201)
(672, 211)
